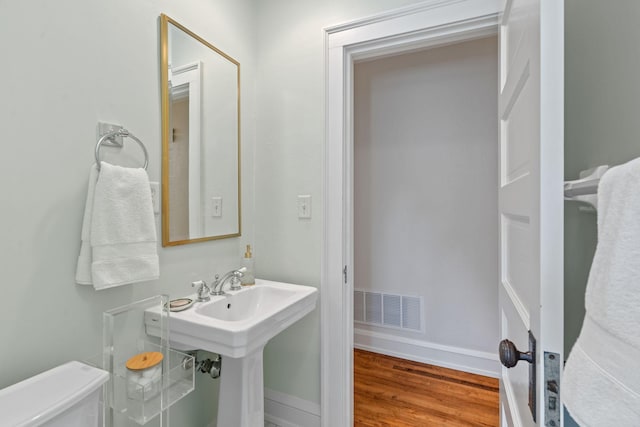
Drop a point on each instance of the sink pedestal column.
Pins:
(241, 401)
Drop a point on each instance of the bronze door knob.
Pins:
(510, 356)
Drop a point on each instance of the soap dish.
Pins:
(180, 304)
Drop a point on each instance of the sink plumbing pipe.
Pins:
(207, 366)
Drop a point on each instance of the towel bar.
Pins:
(585, 189)
(581, 187)
(124, 133)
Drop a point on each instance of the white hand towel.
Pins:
(601, 381)
(123, 231)
(119, 227)
(83, 269)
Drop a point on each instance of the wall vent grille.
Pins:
(358, 306)
(388, 310)
(373, 307)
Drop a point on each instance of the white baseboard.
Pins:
(462, 359)
(289, 411)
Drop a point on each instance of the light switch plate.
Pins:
(304, 206)
(216, 206)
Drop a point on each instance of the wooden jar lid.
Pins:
(144, 360)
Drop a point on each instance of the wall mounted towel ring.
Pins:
(124, 133)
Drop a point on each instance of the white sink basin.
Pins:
(249, 303)
(241, 322)
(238, 326)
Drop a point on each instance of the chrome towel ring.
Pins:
(124, 133)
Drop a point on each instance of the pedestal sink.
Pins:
(238, 326)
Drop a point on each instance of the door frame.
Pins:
(188, 78)
(429, 24)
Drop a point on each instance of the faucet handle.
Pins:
(235, 282)
(202, 290)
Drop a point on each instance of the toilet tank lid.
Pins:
(42, 397)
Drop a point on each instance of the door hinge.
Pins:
(344, 274)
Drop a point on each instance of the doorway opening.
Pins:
(409, 29)
(425, 197)
(400, 31)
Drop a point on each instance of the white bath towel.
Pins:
(122, 229)
(83, 269)
(601, 381)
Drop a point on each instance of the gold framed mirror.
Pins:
(200, 138)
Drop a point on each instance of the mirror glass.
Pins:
(200, 138)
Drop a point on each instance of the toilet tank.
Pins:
(65, 396)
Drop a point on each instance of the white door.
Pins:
(531, 106)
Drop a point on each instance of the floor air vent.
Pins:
(381, 309)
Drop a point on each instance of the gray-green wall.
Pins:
(602, 58)
(602, 126)
(65, 65)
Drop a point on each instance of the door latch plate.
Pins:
(552, 403)
(532, 376)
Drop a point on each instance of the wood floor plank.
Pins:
(394, 392)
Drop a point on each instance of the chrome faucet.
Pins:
(234, 275)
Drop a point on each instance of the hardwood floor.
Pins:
(395, 392)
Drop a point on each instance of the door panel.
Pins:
(517, 274)
(530, 196)
(519, 131)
